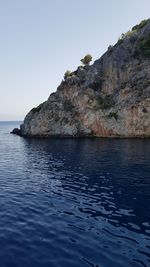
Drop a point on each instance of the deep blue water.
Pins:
(74, 202)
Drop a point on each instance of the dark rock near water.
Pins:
(16, 131)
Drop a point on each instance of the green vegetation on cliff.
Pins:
(144, 46)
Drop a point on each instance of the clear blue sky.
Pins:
(41, 39)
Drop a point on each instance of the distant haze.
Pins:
(41, 39)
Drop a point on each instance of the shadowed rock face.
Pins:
(109, 98)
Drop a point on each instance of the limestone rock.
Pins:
(110, 98)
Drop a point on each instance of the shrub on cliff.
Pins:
(135, 29)
(144, 46)
(67, 74)
(86, 60)
(141, 25)
(125, 35)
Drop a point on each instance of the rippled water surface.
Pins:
(74, 202)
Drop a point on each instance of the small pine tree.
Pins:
(67, 74)
(86, 60)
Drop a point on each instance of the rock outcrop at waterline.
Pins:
(110, 98)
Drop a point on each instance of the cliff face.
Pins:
(109, 98)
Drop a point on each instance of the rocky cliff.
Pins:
(110, 98)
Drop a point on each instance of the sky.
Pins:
(41, 39)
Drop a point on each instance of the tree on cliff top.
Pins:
(86, 60)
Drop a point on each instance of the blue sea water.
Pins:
(74, 202)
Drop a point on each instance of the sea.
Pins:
(74, 202)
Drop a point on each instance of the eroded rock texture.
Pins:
(109, 98)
